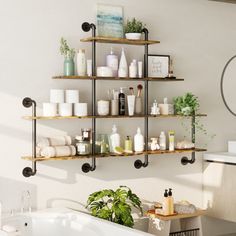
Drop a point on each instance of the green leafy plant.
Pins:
(65, 50)
(134, 26)
(187, 104)
(115, 206)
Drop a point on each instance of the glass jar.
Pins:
(102, 144)
(86, 134)
(83, 147)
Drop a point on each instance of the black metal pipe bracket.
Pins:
(31, 171)
(86, 167)
(138, 163)
(185, 160)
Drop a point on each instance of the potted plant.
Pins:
(186, 105)
(115, 206)
(133, 29)
(69, 54)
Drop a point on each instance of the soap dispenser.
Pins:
(165, 204)
(114, 139)
(121, 102)
(162, 141)
(123, 66)
(138, 141)
(171, 202)
(112, 62)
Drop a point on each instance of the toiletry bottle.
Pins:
(81, 63)
(114, 139)
(138, 141)
(171, 202)
(123, 66)
(133, 70)
(115, 103)
(140, 69)
(128, 145)
(121, 102)
(165, 204)
(162, 141)
(171, 140)
(112, 62)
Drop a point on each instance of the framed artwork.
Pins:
(110, 21)
(158, 66)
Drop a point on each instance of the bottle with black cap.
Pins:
(171, 202)
(165, 205)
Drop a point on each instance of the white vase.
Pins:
(123, 66)
(133, 36)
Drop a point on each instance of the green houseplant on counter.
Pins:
(115, 206)
(69, 54)
(133, 29)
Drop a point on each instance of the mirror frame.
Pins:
(222, 83)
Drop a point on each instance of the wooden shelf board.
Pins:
(29, 158)
(76, 77)
(152, 214)
(99, 39)
(105, 117)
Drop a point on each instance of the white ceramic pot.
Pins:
(49, 109)
(134, 36)
(80, 109)
(65, 109)
(103, 108)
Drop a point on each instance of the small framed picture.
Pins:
(158, 66)
(110, 20)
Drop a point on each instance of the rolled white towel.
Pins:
(59, 151)
(54, 141)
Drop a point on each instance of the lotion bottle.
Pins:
(171, 202)
(138, 141)
(81, 62)
(123, 66)
(171, 140)
(165, 204)
(114, 139)
(112, 62)
(162, 141)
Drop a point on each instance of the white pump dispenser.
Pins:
(114, 139)
(138, 141)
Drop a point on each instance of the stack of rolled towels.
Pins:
(56, 146)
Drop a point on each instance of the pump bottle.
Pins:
(121, 102)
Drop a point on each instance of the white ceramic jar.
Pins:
(103, 108)
(80, 109)
(49, 109)
(65, 109)
(81, 63)
(72, 96)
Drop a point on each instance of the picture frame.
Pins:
(110, 20)
(158, 66)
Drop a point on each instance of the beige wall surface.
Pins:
(199, 35)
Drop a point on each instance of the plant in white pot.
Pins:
(133, 29)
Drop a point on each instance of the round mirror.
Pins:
(228, 85)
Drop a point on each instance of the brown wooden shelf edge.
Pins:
(106, 117)
(159, 152)
(100, 39)
(199, 212)
(76, 77)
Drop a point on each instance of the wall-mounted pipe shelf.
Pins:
(27, 102)
(76, 77)
(159, 152)
(99, 39)
(106, 117)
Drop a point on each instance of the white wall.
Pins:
(198, 34)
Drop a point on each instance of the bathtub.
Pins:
(66, 222)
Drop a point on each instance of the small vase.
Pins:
(138, 105)
(69, 67)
